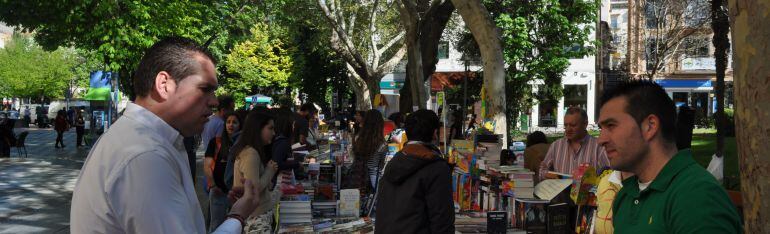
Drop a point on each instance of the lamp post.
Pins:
(466, 59)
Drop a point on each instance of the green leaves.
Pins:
(260, 63)
(27, 71)
(537, 40)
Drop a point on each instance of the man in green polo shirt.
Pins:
(670, 192)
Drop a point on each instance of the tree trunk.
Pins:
(750, 23)
(721, 27)
(361, 91)
(414, 68)
(405, 98)
(486, 33)
(423, 31)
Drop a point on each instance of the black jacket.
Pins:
(415, 193)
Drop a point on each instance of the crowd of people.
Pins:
(137, 178)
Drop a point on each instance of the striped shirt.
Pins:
(560, 158)
(374, 165)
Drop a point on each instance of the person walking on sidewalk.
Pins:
(415, 194)
(80, 128)
(60, 125)
(136, 178)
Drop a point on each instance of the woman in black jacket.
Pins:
(281, 146)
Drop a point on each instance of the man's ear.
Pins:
(650, 127)
(164, 85)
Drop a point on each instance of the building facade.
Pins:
(686, 72)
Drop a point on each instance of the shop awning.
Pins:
(391, 83)
(259, 98)
(693, 84)
(440, 80)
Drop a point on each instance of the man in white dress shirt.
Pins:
(136, 178)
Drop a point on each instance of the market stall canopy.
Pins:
(259, 98)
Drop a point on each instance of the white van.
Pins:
(55, 106)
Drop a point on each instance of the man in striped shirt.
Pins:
(576, 148)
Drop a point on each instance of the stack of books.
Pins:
(295, 212)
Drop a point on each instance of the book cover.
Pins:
(585, 215)
(350, 203)
(497, 222)
(558, 218)
(531, 215)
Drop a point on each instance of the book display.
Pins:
(492, 191)
(316, 204)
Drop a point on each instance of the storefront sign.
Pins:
(698, 64)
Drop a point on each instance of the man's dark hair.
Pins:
(225, 102)
(536, 137)
(397, 118)
(644, 98)
(174, 55)
(308, 107)
(421, 125)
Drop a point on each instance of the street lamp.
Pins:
(466, 60)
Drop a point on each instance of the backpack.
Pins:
(229, 177)
(218, 145)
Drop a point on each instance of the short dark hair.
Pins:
(284, 122)
(536, 137)
(397, 118)
(225, 102)
(175, 55)
(578, 110)
(421, 125)
(308, 107)
(644, 98)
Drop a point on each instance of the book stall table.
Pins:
(313, 202)
(495, 197)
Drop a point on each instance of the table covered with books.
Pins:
(495, 193)
(311, 200)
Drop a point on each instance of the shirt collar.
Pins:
(676, 164)
(152, 121)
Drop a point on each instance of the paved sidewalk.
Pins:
(35, 192)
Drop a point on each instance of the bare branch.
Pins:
(393, 61)
(392, 42)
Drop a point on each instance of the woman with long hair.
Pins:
(369, 152)
(60, 125)
(358, 121)
(254, 163)
(214, 169)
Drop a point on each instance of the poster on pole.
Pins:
(441, 103)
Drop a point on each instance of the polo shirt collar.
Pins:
(152, 121)
(676, 164)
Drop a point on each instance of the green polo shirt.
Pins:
(683, 198)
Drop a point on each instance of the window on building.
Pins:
(653, 13)
(546, 109)
(654, 50)
(576, 96)
(696, 13)
(614, 21)
(696, 47)
(443, 50)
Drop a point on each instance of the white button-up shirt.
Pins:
(136, 180)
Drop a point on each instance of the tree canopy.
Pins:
(258, 64)
(28, 71)
(539, 38)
